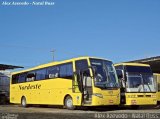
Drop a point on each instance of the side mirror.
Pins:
(119, 73)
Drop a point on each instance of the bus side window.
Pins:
(53, 72)
(30, 77)
(66, 71)
(15, 79)
(81, 65)
(41, 74)
(22, 78)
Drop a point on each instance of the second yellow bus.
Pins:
(137, 84)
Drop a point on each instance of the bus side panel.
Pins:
(16, 94)
(51, 92)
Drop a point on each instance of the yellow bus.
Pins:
(82, 81)
(157, 79)
(137, 84)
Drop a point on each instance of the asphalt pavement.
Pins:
(54, 112)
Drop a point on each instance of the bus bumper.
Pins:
(152, 100)
(105, 100)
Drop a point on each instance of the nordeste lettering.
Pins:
(29, 87)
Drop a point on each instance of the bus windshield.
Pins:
(141, 81)
(105, 74)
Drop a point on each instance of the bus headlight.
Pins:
(98, 95)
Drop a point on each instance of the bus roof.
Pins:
(132, 64)
(56, 63)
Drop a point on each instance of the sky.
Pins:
(118, 30)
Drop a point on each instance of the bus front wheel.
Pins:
(69, 103)
(23, 102)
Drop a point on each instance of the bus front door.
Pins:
(87, 92)
(82, 83)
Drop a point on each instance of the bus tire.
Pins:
(69, 103)
(23, 102)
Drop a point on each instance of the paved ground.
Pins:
(45, 112)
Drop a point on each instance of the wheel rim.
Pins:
(69, 103)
